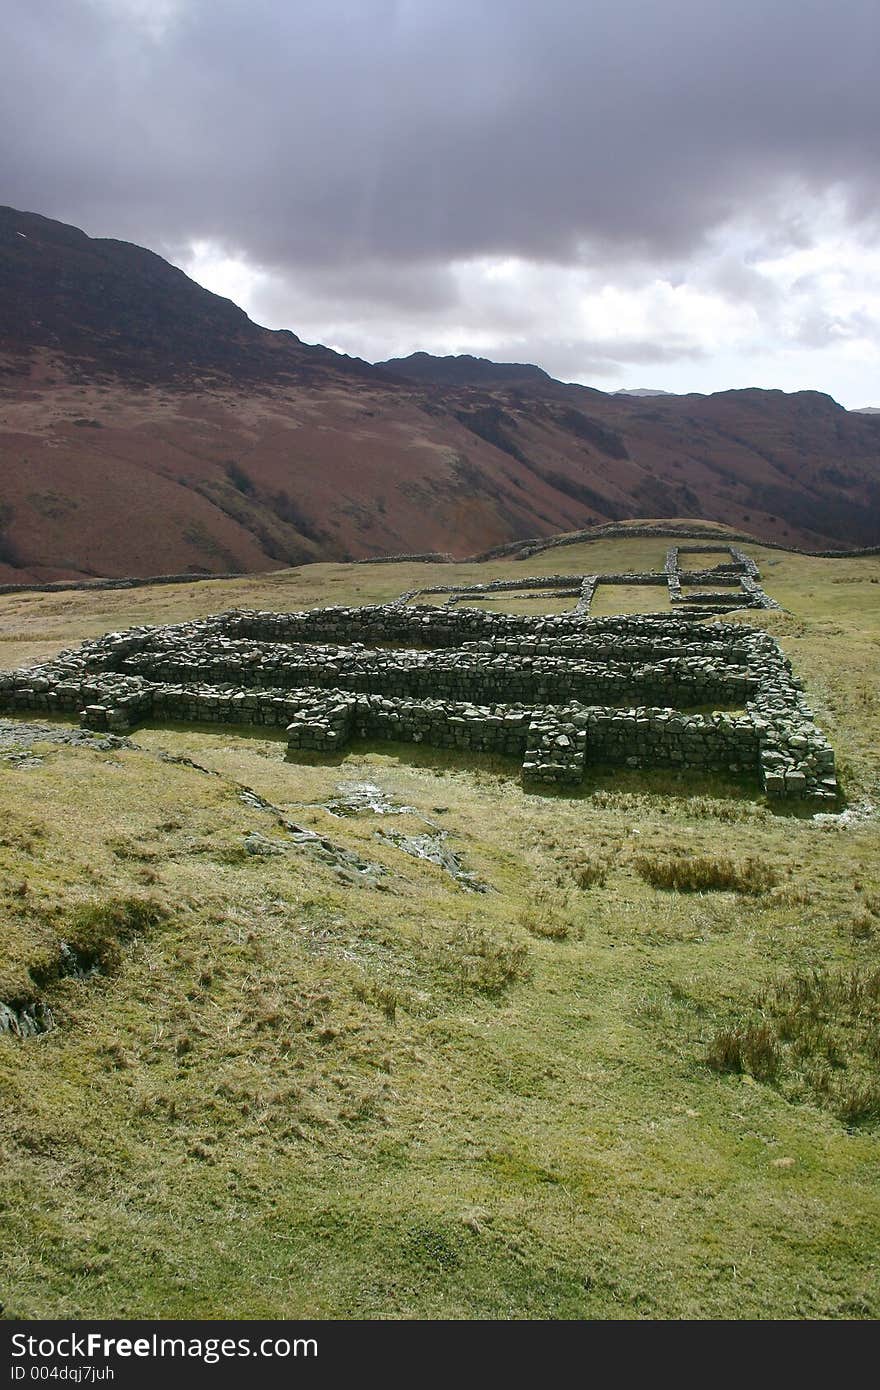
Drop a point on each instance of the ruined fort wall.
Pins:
(514, 685)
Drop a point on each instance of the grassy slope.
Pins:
(295, 1097)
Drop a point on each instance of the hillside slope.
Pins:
(283, 1093)
(149, 426)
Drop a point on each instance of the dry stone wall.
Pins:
(523, 550)
(738, 573)
(60, 586)
(559, 692)
(582, 588)
(433, 557)
(740, 570)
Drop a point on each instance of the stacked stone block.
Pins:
(465, 673)
(562, 692)
(585, 598)
(740, 571)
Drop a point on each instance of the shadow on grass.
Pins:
(35, 717)
(676, 783)
(251, 733)
(418, 755)
(659, 782)
(795, 809)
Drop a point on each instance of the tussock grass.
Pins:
(484, 960)
(818, 1036)
(546, 923)
(703, 874)
(863, 927)
(385, 997)
(98, 930)
(590, 872)
(751, 1048)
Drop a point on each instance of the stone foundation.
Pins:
(739, 573)
(558, 692)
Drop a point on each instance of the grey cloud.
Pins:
(577, 360)
(740, 283)
(363, 287)
(817, 329)
(328, 132)
(644, 351)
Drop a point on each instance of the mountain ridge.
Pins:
(174, 327)
(464, 370)
(147, 426)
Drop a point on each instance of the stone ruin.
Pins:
(559, 692)
(739, 573)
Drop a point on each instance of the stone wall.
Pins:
(739, 573)
(555, 743)
(583, 588)
(560, 692)
(462, 674)
(63, 585)
(498, 586)
(739, 570)
(523, 550)
(434, 557)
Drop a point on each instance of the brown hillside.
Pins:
(148, 426)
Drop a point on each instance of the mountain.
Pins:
(148, 426)
(119, 310)
(866, 410)
(642, 391)
(464, 371)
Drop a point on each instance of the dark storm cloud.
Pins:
(326, 132)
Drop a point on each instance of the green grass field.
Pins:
(579, 1095)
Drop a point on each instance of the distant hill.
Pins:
(148, 426)
(642, 391)
(866, 410)
(463, 370)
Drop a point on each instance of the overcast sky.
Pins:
(667, 193)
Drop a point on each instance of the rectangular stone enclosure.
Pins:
(560, 692)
